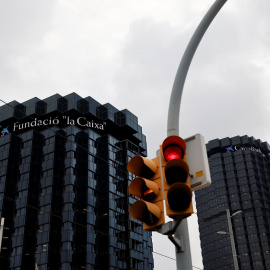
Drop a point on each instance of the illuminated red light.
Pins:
(173, 147)
(172, 152)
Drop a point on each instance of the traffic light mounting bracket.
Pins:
(178, 242)
(169, 229)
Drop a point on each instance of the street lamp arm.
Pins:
(179, 81)
(237, 213)
(222, 232)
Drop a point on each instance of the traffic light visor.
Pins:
(176, 171)
(173, 147)
(141, 166)
(143, 189)
(146, 212)
(179, 197)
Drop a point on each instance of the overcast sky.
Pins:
(126, 52)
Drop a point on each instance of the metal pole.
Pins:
(1, 232)
(179, 81)
(235, 261)
(183, 258)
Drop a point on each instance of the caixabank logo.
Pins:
(4, 131)
(242, 148)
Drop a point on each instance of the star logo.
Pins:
(4, 131)
(229, 149)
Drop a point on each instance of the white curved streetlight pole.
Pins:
(179, 81)
(183, 259)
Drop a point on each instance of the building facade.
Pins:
(63, 186)
(240, 172)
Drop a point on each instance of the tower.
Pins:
(63, 186)
(240, 172)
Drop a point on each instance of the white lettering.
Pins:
(55, 121)
(79, 121)
(15, 125)
(244, 148)
(34, 123)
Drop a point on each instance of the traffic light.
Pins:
(175, 170)
(148, 187)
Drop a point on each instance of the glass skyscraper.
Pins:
(63, 186)
(240, 172)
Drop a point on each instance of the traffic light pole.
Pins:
(177, 232)
(179, 81)
(183, 258)
(181, 238)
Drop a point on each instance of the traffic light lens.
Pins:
(149, 218)
(149, 195)
(172, 152)
(175, 174)
(146, 172)
(179, 200)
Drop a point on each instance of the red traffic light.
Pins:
(173, 147)
(172, 152)
(175, 175)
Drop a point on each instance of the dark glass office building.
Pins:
(240, 171)
(63, 186)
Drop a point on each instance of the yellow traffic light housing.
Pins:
(148, 187)
(175, 170)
